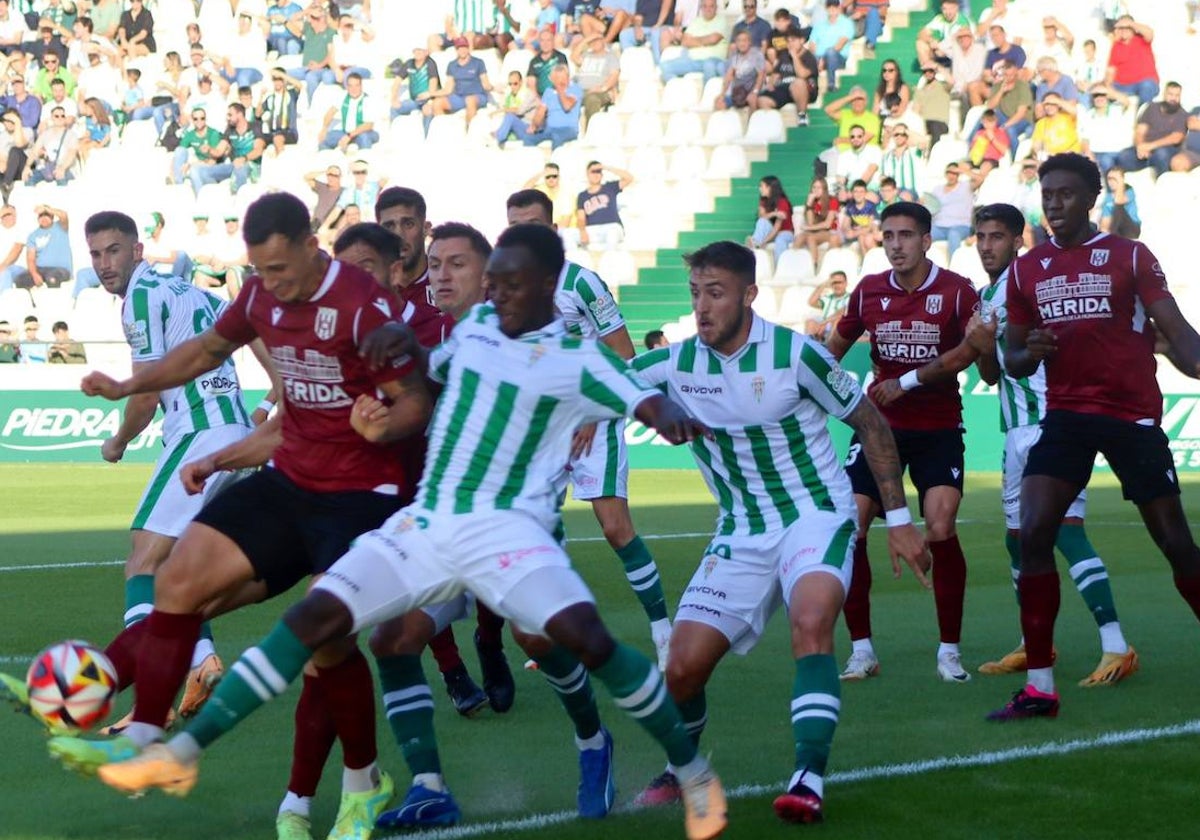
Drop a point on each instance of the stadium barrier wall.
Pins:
(45, 418)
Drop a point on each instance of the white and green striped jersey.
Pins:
(771, 459)
(585, 303)
(160, 313)
(501, 432)
(1022, 401)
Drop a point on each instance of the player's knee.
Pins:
(941, 528)
(1180, 549)
(319, 619)
(334, 653)
(579, 629)
(396, 639)
(535, 646)
(812, 632)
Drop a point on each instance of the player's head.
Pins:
(402, 211)
(1070, 186)
(998, 232)
(371, 247)
(457, 256)
(530, 207)
(112, 240)
(282, 247)
(721, 280)
(522, 274)
(906, 227)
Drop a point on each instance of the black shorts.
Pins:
(933, 458)
(781, 94)
(289, 533)
(1139, 455)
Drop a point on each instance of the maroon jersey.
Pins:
(418, 291)
(907, 330)
(1093, 297)
(314, 345)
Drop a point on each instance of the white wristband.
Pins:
(265, 406)
(909, 381)
(899, 516)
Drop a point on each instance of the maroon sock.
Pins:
(490, 626)
(314, 737)
(162, 663)
(1189, 588)
(445, 651)
(122, 652)
(1039, 608)
(858, 600)
(349, 695)
(949, 587)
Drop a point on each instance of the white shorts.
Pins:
(604, 471)
(1017, 443)
(165, 507)
(446, 613)
(744, 579)
(417, 558)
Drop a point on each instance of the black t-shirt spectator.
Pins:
(143, 23)
(785, 66)
(600, 207)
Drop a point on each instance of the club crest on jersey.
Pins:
(536, 352)
(276, 314)
(933, 304)
(326, 322)
(758, 385)
(1099, 256)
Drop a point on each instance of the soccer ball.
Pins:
(71, 686)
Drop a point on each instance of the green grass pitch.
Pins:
(1063, 778)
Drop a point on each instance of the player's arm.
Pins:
(838, 344)
(1183, 347)
(879, 448)
(254, 450)
(1027, 348)
(260, 414)
(139, 411)
(391, 341)
(672, 423)
(619, 342)
(183, 364)
(406, 413)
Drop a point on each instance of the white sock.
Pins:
(301, 805)
(360, 780)
(430, 781)
(685, 773)
(185, 748)
(862, 646)
(1112, 640)
(946, 647)
(143, 734)
(596, 742)
(810, 780)
(203, 649)
(662, 625)
(1042, 679)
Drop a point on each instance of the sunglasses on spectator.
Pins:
(899, 133)
(551, 177)
(889, 69)
(358, 171)
(857, 136)
(595, 171)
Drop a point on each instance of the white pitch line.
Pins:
(881, 771)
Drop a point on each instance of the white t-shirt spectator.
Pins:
(77, 52)
(955, 205)
(352, 53)
(853, 164)
(247, 49)
(13, 29)
(1107, 131)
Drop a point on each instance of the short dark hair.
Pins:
(276, 213)
(372, 234)
(60, 325)
(350, 76)
(245, 90)
(58, 81)
(859, 183)
(887, 181)
(919, 213)
(1086, 169)
(31, 319)
(592, 163)
(134, 72)
(540, 241)
(528, 198)
(1007, 215)
(654, 336)
(459, 230)
(835, 274)
(238, 107)
(730, 256)
(551, 165)
(110, 220)
(86, 23)
(400, 197)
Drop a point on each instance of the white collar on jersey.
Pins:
(138, 270)
(330, 276)
(555, 329)
(409, 310)
(933, 273)
(1099, 235)
(758, 334)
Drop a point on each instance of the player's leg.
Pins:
(408, 704)
(467, 697)
(498, 681)
(312, 741)
(602, 477)
(1058, 468)
(370, 584)
(936, 465)
(814, 591)
(569, 680)
(863, 662)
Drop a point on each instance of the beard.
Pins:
(1171, 107)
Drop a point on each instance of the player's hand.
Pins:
(674, 424)
(581, 442)
(1041, 344)
(388, 342)
(906, 542)
(884, 392)
(258, 416)
(112, 450)
(194, 474)
(981, 334)
(97, 384)
(369, 417)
